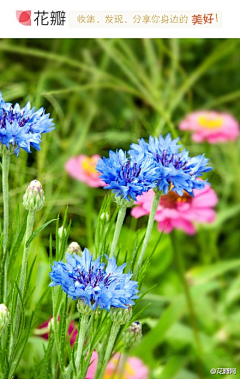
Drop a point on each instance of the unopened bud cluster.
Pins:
(120, 316)
(74, 247)
(7, 150)
(132, 336)
(121, 202)
(84, 309)
(33, 199)
(105, 216)
(4, 316)
(62, 232)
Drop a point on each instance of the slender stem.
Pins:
(5, 171)
(89, 217)
(123, 364)
(22, 282)
(155, 204)
(119, 223)
(29, 230)
(81, 340)
(180, 264)
(112, 338)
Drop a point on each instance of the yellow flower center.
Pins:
(210, 121)
(88, 164)
(170, 200)
(128, 371)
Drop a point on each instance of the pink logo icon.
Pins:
(24, 17)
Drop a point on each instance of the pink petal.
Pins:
(74, 167)
(93, 365)
(138, 212)
(184, 225)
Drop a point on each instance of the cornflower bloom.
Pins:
(22, 128)
(84, 279)
(176, 172)
(175, 168)
(127, 178)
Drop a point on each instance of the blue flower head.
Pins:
(84, 279)
(176, 169)
(126, 177)
(22, 128)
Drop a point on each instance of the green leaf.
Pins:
(18, 242)
(169, 317)
(38, 231)
(206, 273)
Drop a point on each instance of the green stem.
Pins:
(22, 282)
(89, 217)
(123, 365)
(180, 264)
(155, 204)
(5, 171)
(119, 223)
(112, 338)
(81, 340)
(29, 230)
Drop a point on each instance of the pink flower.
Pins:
(211, 126)
(134, 368)
(72, 331)
(83, 169)
(175, 212)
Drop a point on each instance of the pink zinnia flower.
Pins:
(72, 331)
(134, 368)
(211, 126)
(83, 169)
(175, 212)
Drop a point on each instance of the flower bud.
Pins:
(120, 316)
(50, 325)
(33, 199)
(133, 335)
(74, 247)
(121, 202)
(104, 216)
(84, 309)
(62, 232)
(4, 316)
(7, 150)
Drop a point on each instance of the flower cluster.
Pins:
(211, 126)
(84, 279)
(175, 169)
(127, 178)
(83, 169)
(22, 128)
(179, 212)
(134, 368)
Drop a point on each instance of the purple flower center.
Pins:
(10, 116)
(175, 159)
(130, 173)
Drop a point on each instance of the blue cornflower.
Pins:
(84, 279)
(176, 170)
(22, 128)
(127, 178)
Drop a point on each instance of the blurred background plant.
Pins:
(105, 94)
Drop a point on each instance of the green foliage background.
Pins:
(104, 94)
